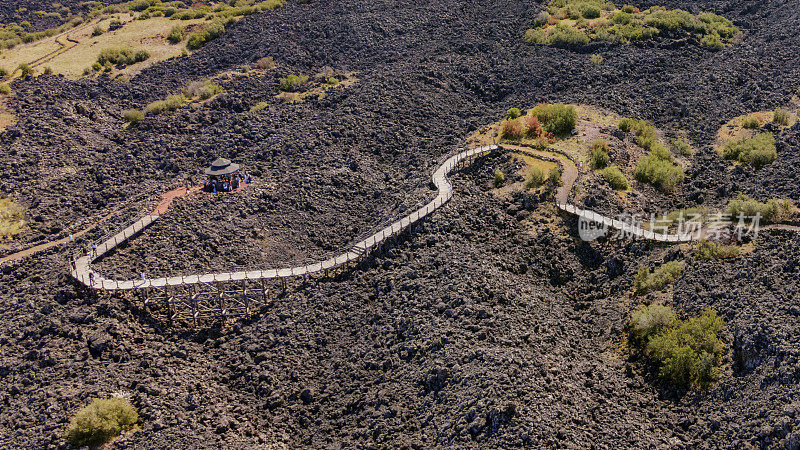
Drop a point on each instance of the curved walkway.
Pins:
(83, 272)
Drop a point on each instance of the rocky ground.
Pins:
(493, 326)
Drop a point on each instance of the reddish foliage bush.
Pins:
(533, 128)
(512, 129)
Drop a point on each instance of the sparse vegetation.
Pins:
(121, 57)
(577, 22)
(687, 353)
(682, 147)
(772, 211)
(554, 176)
(5, 89)
(781, 117)
(3, 73)
(266, 63)
(292, 83)
(499, 178)
(598, 154)
(596, 59)
(711, 250)
(645, 281)
(757, 151)
(101, 421)
(171, 103)
(12, 219)
(202, 90)
(133, 116)
(658, 169)
(176, 34)
(615, 178)
(535, 178)
(259, 106)
(557, 118)
(751, 122)
(211, 31)
(25, 70)
(98, 31)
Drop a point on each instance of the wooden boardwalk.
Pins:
(83, 272)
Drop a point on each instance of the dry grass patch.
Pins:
(318, 86)
(12, 219)
(741, 127)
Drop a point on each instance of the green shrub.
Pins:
(658, 169)
(667, 273)
(202, 90)
(176, 34)
(781, 117)
(535, 178)
(133, 116)
(554, 176)
(333, 81)
(499, 178)
(647, 322)
(101, 421)
(171, 103)
(615, 178)
(646, 134)
(563, 35)
(212, 31)
(682, 147)
(757, 151)
(596, 59)
(689, 352)
(121, 57)
(3, 73)
(513, 113)
(712, 41)
(751, 122)
(557, 118)
(590, 11)
(772, 211)
(292, 82)
(711, 250)
(5, 89)
(98, 31)
(260, 106)
(25, 69)
(598, 154)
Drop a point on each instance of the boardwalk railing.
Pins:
(83, 271)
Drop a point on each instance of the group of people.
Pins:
(226, 183)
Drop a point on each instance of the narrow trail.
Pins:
(65, 43)
(81, 268)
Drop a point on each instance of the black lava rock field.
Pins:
(491, 326)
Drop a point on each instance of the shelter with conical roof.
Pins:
(223, 176)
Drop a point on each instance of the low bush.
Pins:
(751, 122)
(615, 178)
(101, 421)
(266, 63)
(333, 81)
(682, 147)
(98, 31)
(512, 130)
(711, 250)
(596, 59)
(3, 73)
(689, 352)
(513, 113)
(291, 83)
(598, 154)
(554, 176)
(557, 118)
(757, 151)
(772, 211)
(499, 178)
(115, 24)
(202, 90)
(260, 106)
(176, 34)
(5, 89)
(647, 322)
(133, 116)
(211, 31)
(533, 128)
(121, 57)
(712, 41)
(25, 70)
(563, 35)
(645, 281)
(781, 117)
(658, 169)
(535, 178)
(171, 103)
